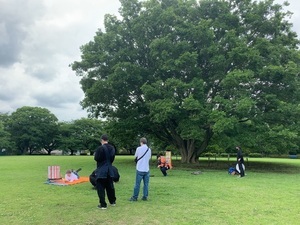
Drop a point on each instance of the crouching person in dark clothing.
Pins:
(162, 164)
(104, 156)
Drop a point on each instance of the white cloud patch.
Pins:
(294, 7)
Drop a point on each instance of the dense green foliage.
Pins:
(7, 146)
(33, 128)
(193, 75)
(36, 130)
(82, 134)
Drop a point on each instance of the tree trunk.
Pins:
(72, 151)
(189, 153)
(31, 150)
(22, 151)
(187, 149)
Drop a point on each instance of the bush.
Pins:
(224, 155)
(282, 156)
(231, 155)
(83, 153)
(293, 152)
(255, 155)
(209, 154)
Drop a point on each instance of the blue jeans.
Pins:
(139, 177)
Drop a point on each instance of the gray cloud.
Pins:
(15, 16)
(57, 97)
(38, 40)
(10, 44)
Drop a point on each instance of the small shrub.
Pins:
(209, 154)
(255, 155)
(294, 152)
(224, 155)
(282, 156)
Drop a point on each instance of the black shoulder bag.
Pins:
(137, 159)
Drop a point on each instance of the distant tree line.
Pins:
(35, 130)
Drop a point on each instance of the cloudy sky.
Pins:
(40, 38)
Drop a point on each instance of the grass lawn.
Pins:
(269, 194)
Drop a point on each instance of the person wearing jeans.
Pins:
(143, 156)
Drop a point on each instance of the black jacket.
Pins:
(239, 157)
(104, 156)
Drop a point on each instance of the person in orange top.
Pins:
(162, 164)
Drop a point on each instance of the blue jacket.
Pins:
(104, 156)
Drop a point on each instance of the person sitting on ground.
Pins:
(71, 176)
(232, 171)
(162, 164)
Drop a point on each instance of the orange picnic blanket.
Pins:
(62, 182)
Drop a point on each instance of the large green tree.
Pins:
(33, 129)
(81, 134)
(190, 72)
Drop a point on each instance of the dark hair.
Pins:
(159, 155)
(104, 137)
(143, 140)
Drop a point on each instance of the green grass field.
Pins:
(269, 194)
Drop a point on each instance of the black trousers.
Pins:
(107, 185)
(242, 172)
(164, 170)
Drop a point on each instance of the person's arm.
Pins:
(112, 154)
(136, 152)
(66, 177)
(158, 162)
(98, 156)
(239, 156)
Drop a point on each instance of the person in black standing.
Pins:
(240, 160)
(104, 156)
